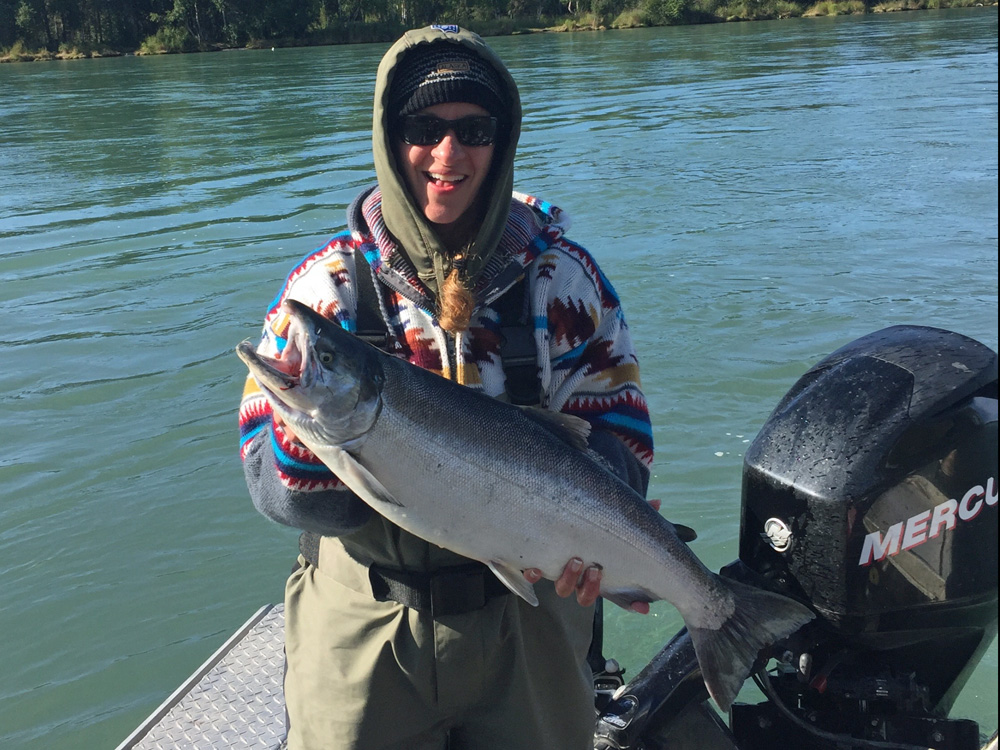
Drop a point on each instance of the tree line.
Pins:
(123, 25)
(91, 27)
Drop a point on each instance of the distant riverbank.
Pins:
(177, 35)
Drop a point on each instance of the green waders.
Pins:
(373, 675)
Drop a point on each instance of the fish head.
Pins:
(326, 384)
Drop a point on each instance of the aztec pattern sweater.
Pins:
(587, 366)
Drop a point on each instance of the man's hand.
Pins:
(585, 583)
(285, 428)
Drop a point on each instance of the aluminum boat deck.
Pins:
(234, 700)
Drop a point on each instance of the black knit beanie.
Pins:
(444, 72)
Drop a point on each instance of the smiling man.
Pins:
(393, 642)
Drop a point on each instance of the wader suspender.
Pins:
(368, 318)
(518, 353)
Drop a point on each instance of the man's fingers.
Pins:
(289, 433)
(566, 584)
(586, 584)
(533, 575)
(590, 589)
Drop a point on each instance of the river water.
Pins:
(760, 194)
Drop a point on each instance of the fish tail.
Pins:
(726, 655)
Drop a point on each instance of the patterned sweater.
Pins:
(587, 366)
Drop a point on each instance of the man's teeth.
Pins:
(446, 177)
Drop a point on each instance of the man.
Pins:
(446, 258)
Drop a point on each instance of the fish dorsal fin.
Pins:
(574, 431)
(357, 477)
(514, 579)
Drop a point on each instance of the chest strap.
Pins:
(518, 351)
(371, 327)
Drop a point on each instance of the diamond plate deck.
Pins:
(234, 700)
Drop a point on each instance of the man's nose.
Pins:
(449, 146)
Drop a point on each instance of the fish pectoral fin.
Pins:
(357, 477)
(514, 579)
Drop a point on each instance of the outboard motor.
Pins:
(870, 495)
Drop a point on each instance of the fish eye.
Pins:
(326, 358)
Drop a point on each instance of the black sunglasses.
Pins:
(427, 130)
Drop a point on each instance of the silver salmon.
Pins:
(504, 485)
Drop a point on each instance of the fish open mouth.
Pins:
(273, 375)
(284, 378)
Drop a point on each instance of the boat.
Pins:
(869, 494)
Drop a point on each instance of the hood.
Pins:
(405, 222)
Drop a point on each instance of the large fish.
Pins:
(492, 482)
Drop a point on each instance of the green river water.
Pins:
(759, 194)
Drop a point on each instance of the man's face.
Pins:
(445, 178)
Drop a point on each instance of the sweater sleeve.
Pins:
(287, 482)
(329, 512)
(594, 368)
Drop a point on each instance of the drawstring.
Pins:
(459, 357)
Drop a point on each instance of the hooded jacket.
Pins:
(403, 219)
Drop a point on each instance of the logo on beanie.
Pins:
(453, 66)
(444, 71)
(449, 28)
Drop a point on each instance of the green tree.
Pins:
(665, 12)
(8, 23)
(32, 24)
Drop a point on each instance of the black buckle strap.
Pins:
(518, 349)
(518, 355)
(449, 591)
(456, 590)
